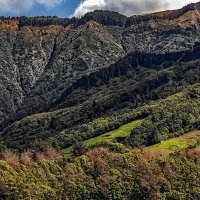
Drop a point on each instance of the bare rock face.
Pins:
(31, 51)
(11, 92)
(40, 63)
(76, 53)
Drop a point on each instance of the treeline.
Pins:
(108, 18)
(104, 17)
(135, 63)
(41, 21)
(110, 172)
(46, 21)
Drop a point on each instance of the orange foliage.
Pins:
(152, 154)
(150, 173)
(50, 154)
(11, 158)
(27, 158)
(9, 24)
(53, 154)
(194, 153)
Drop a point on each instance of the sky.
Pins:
(77, 8)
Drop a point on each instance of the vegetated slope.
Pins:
(45, 61)
(176, 144)
(112, 172)
(118, 134)
(131, 82)
(136, 79)
(49, 65)
(168, 118)
(164, 119)
(165, 147)
(160, 120)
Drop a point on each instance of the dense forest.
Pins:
(108, 172)
(167, 118)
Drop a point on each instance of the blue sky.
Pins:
(64, 9)
(68, 8)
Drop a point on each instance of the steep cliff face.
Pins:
(40, 61)
(11, 91)
(44, 63)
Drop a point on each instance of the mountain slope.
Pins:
(101, 107)
(58, 74)
(164, 119)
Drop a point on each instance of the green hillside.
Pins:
(122, 132)
(176, 144)
(151, 124)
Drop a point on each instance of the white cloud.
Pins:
(129, 7)
(49, 3)
(17, 6)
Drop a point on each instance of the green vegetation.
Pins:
(122, 132)
(165, 119)
(176, 144)
(111, 172)
(168, 118)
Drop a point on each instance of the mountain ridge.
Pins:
(117, 19)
